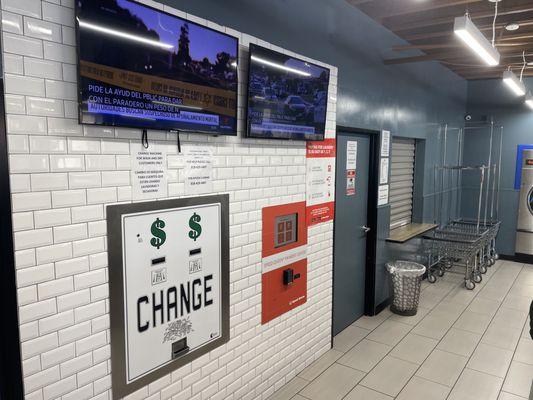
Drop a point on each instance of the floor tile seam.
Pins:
(393, 347)
(369, 388)
(512, 394)
(364, 337)
(380, 360)
(299, 394)
(486, 373)
(355, 369)
(504, 379)
(410, 331)
(335, 362)
(517, 343)
(438, 342)
(447, 331)
(477, 345)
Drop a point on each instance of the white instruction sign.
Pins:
(198, 170)
(351, 155)
(149, 172)
(385, 143)
(383, 195)
(384, 171)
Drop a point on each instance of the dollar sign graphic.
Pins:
(159, 233)
(195, 226)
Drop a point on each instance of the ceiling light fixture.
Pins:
(465, 29)
(514, 83)
(529, 100)
(513, 26)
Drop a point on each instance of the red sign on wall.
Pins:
(320, 181)
(284, 263)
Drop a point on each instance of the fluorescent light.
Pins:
(529, 100)
(472, 36)
(513, 83)
(280, 66)
(124, 35)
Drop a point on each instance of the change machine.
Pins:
(169, 286)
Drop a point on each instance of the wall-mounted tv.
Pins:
(140, 67)
(287, 97)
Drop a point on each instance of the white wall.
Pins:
(62, 177)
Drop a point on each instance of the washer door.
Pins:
(529, 201)
(525, 209)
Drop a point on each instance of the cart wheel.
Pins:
(470, 285)
(496, 256)
(492, 261)
(477, 277)
(483, 269)
(440, 272)
(432, 278)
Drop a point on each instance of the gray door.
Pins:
(349, 251)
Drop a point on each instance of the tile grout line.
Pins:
(485, 331)
(335, 362)
(393, 347)
(447, 331)
(435, 307)
(412, 328)
(519, 338)
(343, 353)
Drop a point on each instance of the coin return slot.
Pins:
(193, 252)
(159, 260)
(179, 348)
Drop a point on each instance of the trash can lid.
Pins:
(406, 268)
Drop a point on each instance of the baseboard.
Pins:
(518, 257)
(383, 305)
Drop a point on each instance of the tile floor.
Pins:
(462, 345)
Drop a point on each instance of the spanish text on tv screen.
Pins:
(140, 67)
(287, 97)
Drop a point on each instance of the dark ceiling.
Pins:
(427, 25)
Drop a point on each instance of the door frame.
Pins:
(11, 386)
(372, 219)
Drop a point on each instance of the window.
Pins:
(402, 182)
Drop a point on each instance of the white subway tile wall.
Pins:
(63, 175)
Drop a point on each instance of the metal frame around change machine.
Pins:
(169, 286)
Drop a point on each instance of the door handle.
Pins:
(366, 229)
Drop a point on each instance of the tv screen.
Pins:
(287, 97)
(142, 68)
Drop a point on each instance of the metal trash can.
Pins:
(406, 279)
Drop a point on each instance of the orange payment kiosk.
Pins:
(284, 259)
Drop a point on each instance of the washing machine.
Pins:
(524, 228)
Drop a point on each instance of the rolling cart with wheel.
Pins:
(445, 249)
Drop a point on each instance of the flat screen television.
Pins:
(287, 97)
(143, 68)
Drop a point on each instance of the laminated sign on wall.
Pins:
(384, 171)
(385, 143)
(320, 189)
(351, 166)
(198, 170)
(169, 286)
(149, 172)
